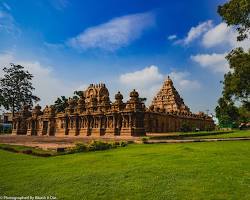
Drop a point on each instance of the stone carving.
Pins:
(95, 115)
(169, 99)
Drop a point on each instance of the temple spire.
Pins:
(169, 99)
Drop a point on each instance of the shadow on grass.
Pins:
(186, 135)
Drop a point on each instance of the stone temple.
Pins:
(95, 115)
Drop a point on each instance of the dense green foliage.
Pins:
(236, 13)
(236, 84)
(16, 88)
(5, 130)
(97, 145)
(77, 94)
(161, 171)
(227, 113)
(244, 114)
(62, 102)
(185, 127)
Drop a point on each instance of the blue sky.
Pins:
(126, 44)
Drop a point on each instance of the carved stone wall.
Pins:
(95, 115)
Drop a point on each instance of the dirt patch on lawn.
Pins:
(52, 142)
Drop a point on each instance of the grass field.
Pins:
(201, 134)
(234, 134)
(217, 170)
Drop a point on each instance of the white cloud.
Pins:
(196, 32)
(146, 81)
(146, 76)
(47, 86)
(182, 82)
(214, 62)
(172, 37)
(7, 23)
(114, 34)
(6, 6)
(149, 80)
(222, 35)
(82, 87)
(60, 4)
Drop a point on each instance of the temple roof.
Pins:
(169, 99)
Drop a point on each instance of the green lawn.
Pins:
(202, 134)
(25, 149)
(235, 134)
(214, 170)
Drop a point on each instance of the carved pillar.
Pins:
(85, 129)
(126, 130)
(74, 128)
(98, 129)
(111, 128)
(22, 117)
(61, 125)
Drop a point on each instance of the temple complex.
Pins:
(93, 114)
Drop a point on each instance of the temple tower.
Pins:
(169, 99)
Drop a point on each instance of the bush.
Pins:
(114, 145)
(96, 145)
(27, 151)
(7, 130)
(144, 139)
(60, 149)
(9, 148)
(4, 129)
(80, 147)
(123, 143)
(185, 127)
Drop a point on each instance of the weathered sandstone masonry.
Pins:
(95, 115)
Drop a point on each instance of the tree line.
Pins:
(234, 104)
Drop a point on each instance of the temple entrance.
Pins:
(66, 126)
(162, 127)
(33, 128)
(45, 127)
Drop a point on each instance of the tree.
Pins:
(236, 13)
(244, 114)
(62, 102)
(143, 99)
(77, 95)
(236, 84)
(237, 81)
(16, 88)
(1, 99)
(226, 112)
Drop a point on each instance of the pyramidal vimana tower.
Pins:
(169, 99)
(95, 115)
